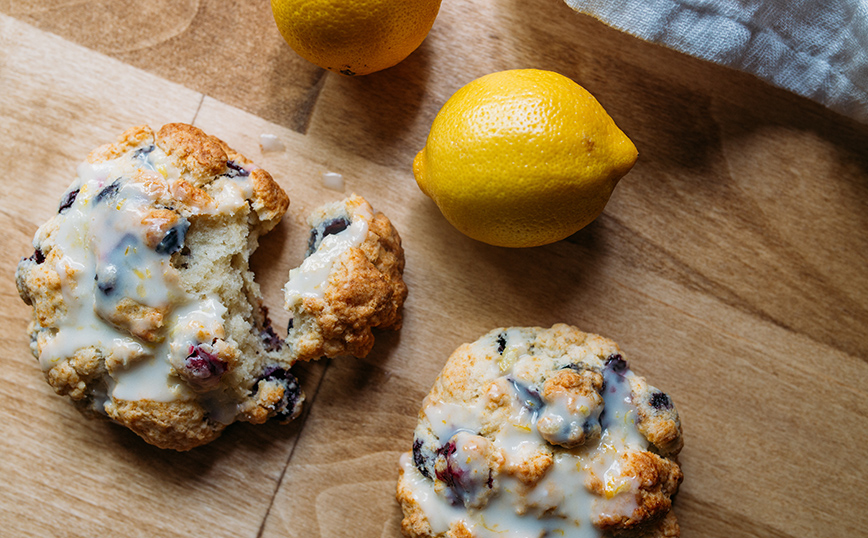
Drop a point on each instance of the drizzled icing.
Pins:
(310, 279)
(560, 503)
(448, 419)
(121, 293)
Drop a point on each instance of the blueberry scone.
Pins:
(144, 308)
(350, 282)
(532, 432)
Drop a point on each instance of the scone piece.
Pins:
(144, 309)
(349, 283)
(537, 432)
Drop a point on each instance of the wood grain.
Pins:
(730, 265)
(229, 50)
(84, 478)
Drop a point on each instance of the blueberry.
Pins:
(266, 333)
(142, 153)
(327, 228)
(107, 289)
(450, 474)
(106, 278)
(288, 408)
(335, 226)
(108, 192)
(311, 242)
(528, 396)
(67, 201)
(204, 365)
(419, 459)
(174, 238)
(660, 400)
(616, 363)
(501, 343)
(235, 170)
(615, 384)
(463, 477)
(270, 339)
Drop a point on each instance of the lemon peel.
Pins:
(522, 158)
(354, 37)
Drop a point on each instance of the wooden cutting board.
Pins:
(731, 265)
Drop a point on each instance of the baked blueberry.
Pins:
(174, 238)
(68, 200)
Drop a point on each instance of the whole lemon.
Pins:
(354, 37)
(522, 158)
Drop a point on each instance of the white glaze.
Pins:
(148, 379)
(270, 142)
(621, 413)
(105, 238)
(195, 322)
(560, 503)
(564, 416)
(333, 181)
(447, 419)
(438, 510)
(310, 279)
(231, 195)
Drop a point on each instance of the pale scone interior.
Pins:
(145, 309)
(541, 432)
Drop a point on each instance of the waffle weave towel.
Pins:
(815, 48)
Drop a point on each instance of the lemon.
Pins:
(522, 158)
(354, 37)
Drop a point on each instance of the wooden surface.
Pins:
(731, 265)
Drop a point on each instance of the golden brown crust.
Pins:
(270, 201)
(531, 469)
(365, 290)
(177, 425)
(414, 524)
(459, 530)
(578, 392)
(358, 298)
(142, 321)
(662, 428)
(585, 383)
(41, 288)
(132, 137)
(388, 258)
(73, 377)
(192, 151)
(203, 156)
(666, 527)
(656, 479)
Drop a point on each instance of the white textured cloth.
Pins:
(815, 48)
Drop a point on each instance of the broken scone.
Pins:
(532, 432)
(144, 307)
(350, 282)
